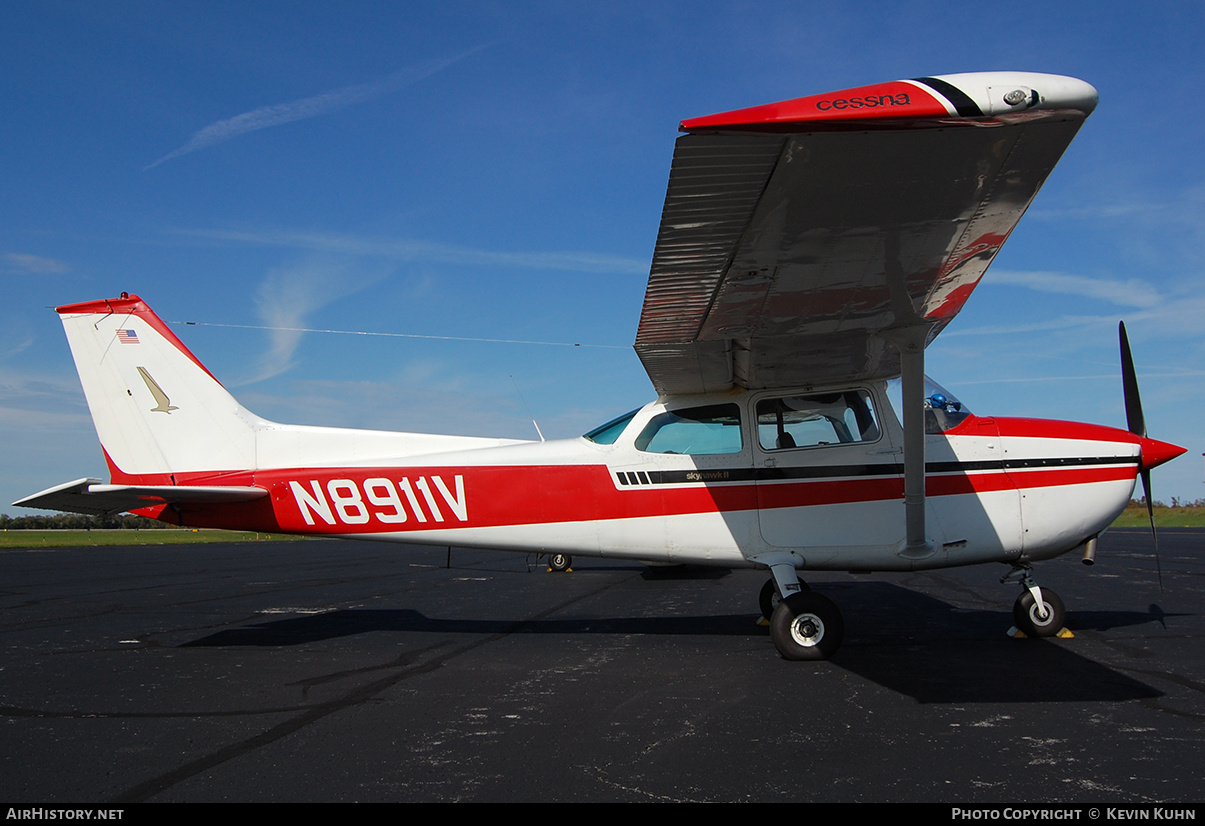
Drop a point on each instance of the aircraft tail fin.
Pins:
(157, 410)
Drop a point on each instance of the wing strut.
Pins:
(911, 344)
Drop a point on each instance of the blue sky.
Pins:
(497, 170)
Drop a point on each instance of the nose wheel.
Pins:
(1038, 612)
(559, 562)
(1036, 619)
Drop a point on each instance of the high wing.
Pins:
(808, 241)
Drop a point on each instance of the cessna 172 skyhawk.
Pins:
(809, 251)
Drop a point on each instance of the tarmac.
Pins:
(331, 670)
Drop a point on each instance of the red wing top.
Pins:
(798, 238)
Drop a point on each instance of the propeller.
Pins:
(1136, 423)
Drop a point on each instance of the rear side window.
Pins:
(694, 431)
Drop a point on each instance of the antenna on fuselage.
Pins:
(539, 432)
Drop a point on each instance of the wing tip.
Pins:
(939, 97)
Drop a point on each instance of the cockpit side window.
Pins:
(694, 431)
(816, 419)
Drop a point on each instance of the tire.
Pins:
(1025, 614)
(769, 597)
(807, 626)
(559, 562)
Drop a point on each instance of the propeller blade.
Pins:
(1136, 423)
(1129, 386)
(1150, 512)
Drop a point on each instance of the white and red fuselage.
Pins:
(997, 489)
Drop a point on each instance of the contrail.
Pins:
(311, 107)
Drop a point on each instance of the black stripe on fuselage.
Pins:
(778, 474)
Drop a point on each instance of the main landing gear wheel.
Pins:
(806, 626)
(769, 597)
(1029, 619)
(559, 562)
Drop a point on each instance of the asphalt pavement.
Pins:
(329, 670)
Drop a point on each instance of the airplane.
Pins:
(808, 253)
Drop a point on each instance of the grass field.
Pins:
(1135, 517)
(165, 536)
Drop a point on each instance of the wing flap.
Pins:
(715, 184)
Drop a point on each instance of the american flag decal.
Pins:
(127, 336)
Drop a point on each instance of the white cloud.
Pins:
(405, 250)
(1186, 374)
(285, 298)
(311, 107)
(1097, 212)
(24, 262)
(9, 348)
(1133, 292)
(288, 295)
(1060, 323)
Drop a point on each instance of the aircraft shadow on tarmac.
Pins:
(908, 642)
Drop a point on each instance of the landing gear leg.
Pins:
(1038, 612)
(769, 597)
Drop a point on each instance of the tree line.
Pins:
(79, 522)
(1177, 502)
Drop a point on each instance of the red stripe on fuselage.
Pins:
(1028, 479)
(845, 491)
(420, 499)
(491, 497)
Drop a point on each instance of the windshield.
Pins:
(607, 434)
(942, 410)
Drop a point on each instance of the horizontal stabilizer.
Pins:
(93, 497)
